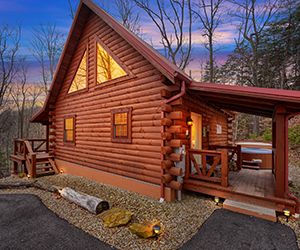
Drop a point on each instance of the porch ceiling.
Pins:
(250, 100)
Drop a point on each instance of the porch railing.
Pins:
(219, 157)
(35, 144)
(234, 150)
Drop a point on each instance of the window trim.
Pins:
(129, 75)
(127, 110)
(86, 49)
(64, 138)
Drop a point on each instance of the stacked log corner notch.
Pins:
(52, 130)
(170, 143)
(230, 130)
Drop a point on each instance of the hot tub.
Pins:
(254, 144)
(257, 150)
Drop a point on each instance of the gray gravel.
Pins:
(180, 220)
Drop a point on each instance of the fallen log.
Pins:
(46, 186)
(91, 203)
(18, 184)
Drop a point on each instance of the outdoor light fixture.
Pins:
(287, 213)
(61, 171)
(156, 229)
(28, 176)
(189, 121)
(217, 200)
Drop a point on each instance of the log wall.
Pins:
(93, 147)
(144, 90)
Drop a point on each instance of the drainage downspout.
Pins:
(286, 165)
(162, 172)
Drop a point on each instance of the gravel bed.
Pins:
(180, 219)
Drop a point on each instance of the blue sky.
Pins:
(31, 12)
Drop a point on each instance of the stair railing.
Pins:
(30, 159)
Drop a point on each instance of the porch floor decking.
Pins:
(255, 187)
(253, 182)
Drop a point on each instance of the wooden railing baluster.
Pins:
(219, 156)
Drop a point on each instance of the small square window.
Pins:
(69, 129)
(121, 125)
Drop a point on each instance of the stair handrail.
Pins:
(30, 158)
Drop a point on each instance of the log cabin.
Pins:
(118, 112)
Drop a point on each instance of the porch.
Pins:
(256, 187)
(34, 157)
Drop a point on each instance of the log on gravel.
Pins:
(18, 184)
(46, 186)
(91, 203)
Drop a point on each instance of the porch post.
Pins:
(273, 144)
(47, 138)
(280, 145)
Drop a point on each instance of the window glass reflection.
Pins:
(107, 68)
(120, 124)
(79, 81)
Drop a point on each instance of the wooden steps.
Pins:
(42, 173)
(251, 164)
(251, 167)
(41, 159)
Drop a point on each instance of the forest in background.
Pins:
(266, 54)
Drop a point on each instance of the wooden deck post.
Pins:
(239, 157)
(273, 145)
(224, 167)
(47, 138)
(33, 165)
(187, 165)
(15, 153)
(280, 145)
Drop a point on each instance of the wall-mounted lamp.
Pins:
(287, 214)
(156, 229)
(189, 121)
(28, 176)
(61, 171)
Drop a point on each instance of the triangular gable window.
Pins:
(107, 67)
(79, 81)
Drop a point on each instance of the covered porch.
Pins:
(267, 188)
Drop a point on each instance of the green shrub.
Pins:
(254, 136)
(267, 135)
(294, 137)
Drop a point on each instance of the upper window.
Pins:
(80, 78)
(107, 67)
(121, 125)
(69, 129)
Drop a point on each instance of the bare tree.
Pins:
(46, 46)
(72, 9)
(127, 15)
(175, 15)
(210, 15)
(253, 18)
(18, 92)
(10, 38)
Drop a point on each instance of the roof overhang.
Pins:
(250, 100)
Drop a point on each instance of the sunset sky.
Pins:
(31, 12)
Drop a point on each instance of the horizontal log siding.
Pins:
(139, 160)
(210, 117)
